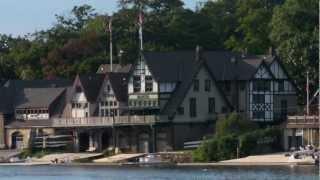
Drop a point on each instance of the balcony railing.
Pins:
(104, 121)
(303, 121)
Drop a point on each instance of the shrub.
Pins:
(260, 141)
(201, 153)
(234, 124)
(216, 149)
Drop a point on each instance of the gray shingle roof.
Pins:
(37, 97)
(91, 84)
(170, 66)
(119, 83)
(20, 84)
(6, 100)
(13, 90)
(225, 65)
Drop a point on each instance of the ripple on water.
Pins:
(134, 173)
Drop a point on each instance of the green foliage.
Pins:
(78, 41)
(234, 124)
(295, 31)
(234, 133)
(216, 149)
(260, 141)
(251, 33)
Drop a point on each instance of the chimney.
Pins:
(199, 53)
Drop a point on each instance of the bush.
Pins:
(260, 141)
(234, 124)
(201, 153)
(216, 149)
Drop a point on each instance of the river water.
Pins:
(148, 173)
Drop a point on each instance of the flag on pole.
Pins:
(140, 23)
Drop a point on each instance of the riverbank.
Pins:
(278, 159)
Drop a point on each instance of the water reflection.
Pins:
(134, 173)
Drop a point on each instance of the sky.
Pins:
(20, 17)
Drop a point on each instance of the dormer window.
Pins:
(78, 89)
(136, 83)
(149, 84)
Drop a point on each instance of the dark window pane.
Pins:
(195, 85)
(211, 105)
(207, 86)
(193, 107)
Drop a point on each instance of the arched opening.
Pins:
(83, 142)
(16, 140)
(105, 140)
(144, 143)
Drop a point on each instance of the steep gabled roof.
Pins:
(170, 66)
(91, 84)
(183, 88)
(119, 83)
(13, 90)
(37, 97)
(6, 100)
(225, 65)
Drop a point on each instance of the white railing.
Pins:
(103, 121)
(303, 119)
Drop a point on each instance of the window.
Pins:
(195, 85)
(192, 107)
(261, 85)
(258, 99)
(78, 89)
(136, 84)
(115, 103)
(258, 114)
(211, 105)
(149, 84)
(207, 85)
(180, 110)
(281, 85)
(108, 88)
(85, 105)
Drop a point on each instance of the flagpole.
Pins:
(111, 46)
(307, 89)
(141, 28)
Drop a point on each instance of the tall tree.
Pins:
(251, 34)
(295, 31)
